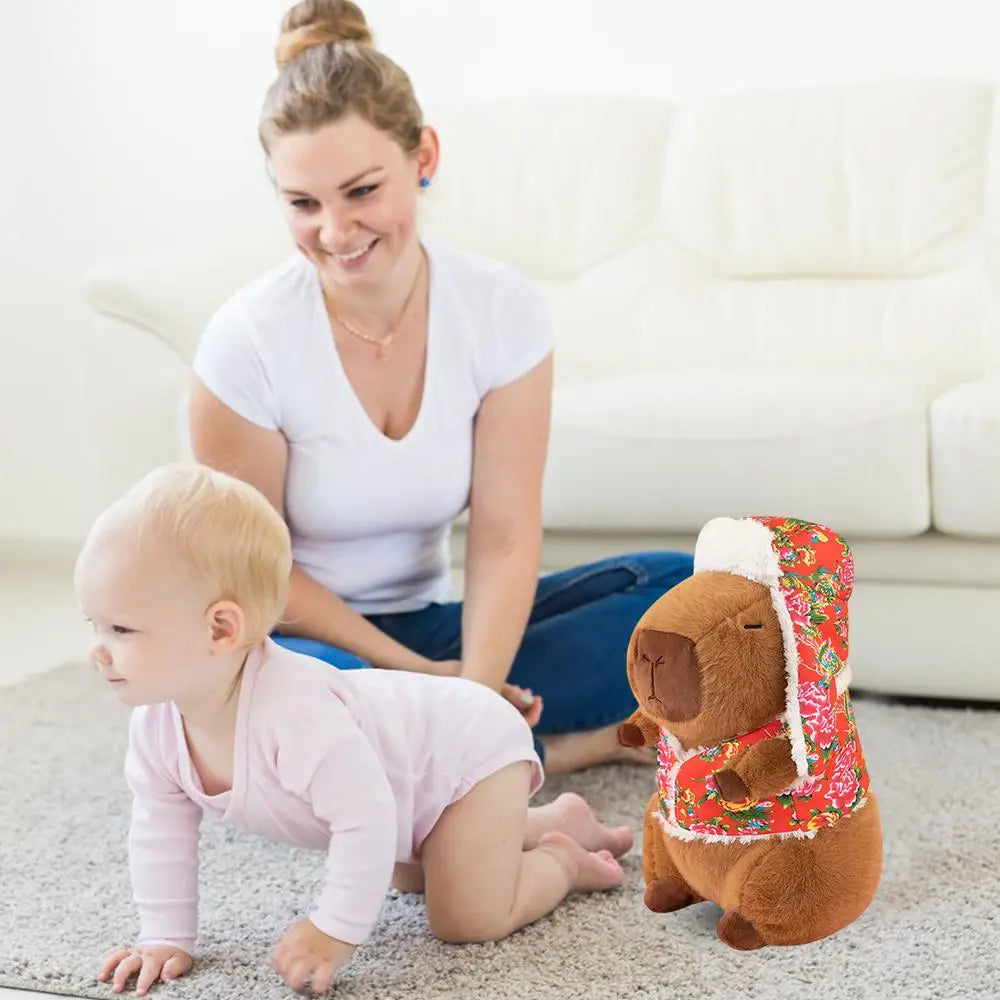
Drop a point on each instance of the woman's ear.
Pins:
(227, 626)
(427, 154)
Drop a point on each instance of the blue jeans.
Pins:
(573, 650)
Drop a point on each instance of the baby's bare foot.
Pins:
(571, 815)
(589, 871)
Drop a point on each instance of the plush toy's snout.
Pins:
(666, 674)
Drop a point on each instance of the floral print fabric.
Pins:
(816, 580)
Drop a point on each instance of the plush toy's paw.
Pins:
(735, 930)
(731, 786)
(665, 897)
(630, 735)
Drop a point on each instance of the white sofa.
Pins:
(778, 302)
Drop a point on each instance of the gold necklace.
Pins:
(383, 342)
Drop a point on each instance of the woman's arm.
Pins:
(314, 612)
(503, 548)
(226, 441)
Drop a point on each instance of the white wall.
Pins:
(46, 237)
(128, 125)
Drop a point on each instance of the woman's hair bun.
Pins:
(320, 22)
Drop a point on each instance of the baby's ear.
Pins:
(226, 626)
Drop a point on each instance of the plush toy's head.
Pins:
(759, 632)
(707, 662)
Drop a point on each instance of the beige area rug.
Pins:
(932, 932)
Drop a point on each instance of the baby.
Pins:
(389, 772)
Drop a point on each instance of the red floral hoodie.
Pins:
(810, 573)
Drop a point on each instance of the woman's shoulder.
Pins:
(284, 288)
(478, 278)
(259, 321)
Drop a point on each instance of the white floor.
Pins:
(40, 628)
(40, 624)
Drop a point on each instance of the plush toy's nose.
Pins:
(667, 674)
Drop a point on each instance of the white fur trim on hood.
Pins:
(741, 546)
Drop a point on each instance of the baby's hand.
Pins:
(526, 702)
(151, 962)
(306, 957)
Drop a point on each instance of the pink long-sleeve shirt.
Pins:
(359, 763)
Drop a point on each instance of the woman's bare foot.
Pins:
(589, 871)
(571, 815)
(566, 752)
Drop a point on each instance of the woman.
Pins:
(374, 386)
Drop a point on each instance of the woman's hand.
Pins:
(525, 701)
(151, 963)
(306, 957)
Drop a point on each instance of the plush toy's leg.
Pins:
(804, 890)
(666, 889)
(735, 930)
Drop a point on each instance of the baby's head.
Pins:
(180, 578)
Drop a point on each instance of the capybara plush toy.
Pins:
(763, 803)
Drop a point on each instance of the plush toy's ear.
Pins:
(638, 730)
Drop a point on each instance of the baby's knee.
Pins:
(461, 926)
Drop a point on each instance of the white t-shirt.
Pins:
(370, 516)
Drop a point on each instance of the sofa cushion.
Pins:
(930, 327)
(552, 185)
(883, 178)
(965, 459)
(668, 451)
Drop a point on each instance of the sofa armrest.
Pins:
(135, 387)
(174, 296)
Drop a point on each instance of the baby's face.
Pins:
(151, 632)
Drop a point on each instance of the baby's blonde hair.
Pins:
(221, 527)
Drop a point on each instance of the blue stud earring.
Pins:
(425, 182)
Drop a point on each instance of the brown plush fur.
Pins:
(759, 772)
(706, 662)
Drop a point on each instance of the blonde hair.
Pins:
(328, 68)
(221, 527)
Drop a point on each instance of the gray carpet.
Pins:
(933, 930)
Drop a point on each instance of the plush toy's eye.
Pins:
(753, 626)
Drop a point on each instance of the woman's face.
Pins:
(350, 196)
